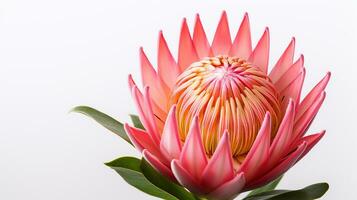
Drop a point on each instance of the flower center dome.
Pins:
(226, 93)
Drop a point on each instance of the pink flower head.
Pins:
(215, 120)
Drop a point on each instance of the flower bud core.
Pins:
(226, 93)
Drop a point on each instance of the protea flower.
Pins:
(215, 120)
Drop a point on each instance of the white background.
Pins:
(58, 54)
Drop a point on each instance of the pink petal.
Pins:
(260, 55)
(290, 75)
(259, 151)
(139, 138)
(145, 114)
(230, 189)
(142, 140)
(157, 111)
(220, 167)
(158, 165)
(313, 94)
(284, 62)
(277, 171)
(222, 39)
(147, 71)
(242, 44)
(311, 141)
(293, 90)
(149, 111)
(151, 79)
(283, 137)
(302, 124)
(193, 157)
(187, 53)
(170, 144)
(184, 178)
(167, 67)
(200, 40)
(131, 82)
(159, 114)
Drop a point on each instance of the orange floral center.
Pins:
(226, 93)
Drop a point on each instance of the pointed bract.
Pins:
(259, 151)
(222, 39)
(293, 90)
(280, 169)
(187, 53)
(149, 113)
(158, 165)
(290, 75)
(260, 54)
(158, 112)
(170, 143)
(131, 82)
(193, 156)
(220, 167)
(140, 138)
(302, 124)
(312, 95)
(230, 189)
(151, 79)
(185, 178)
(200, 41)
(311, 141)
(242, 44)
(284, 62)
(145, 116)
(167, 67)
(283, 138)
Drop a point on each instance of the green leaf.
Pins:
(311, 192)
(268, 187)
(129, 169)
(162, 182)
(136, 121)
(103, 119)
